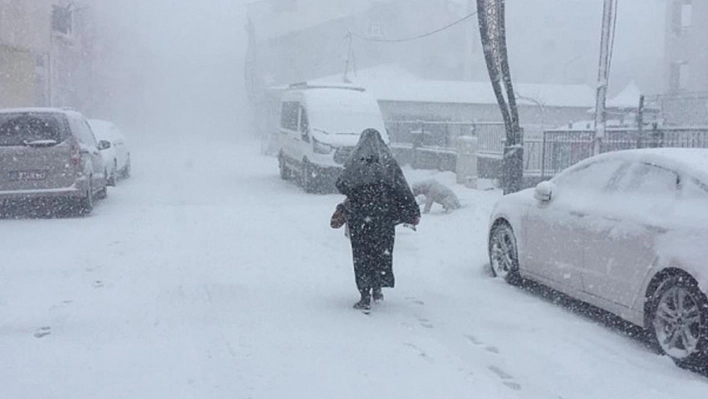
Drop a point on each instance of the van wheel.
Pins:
(308, 177)
(285, 173)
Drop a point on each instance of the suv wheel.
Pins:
(84, 206)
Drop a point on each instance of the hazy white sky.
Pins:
(191, 53)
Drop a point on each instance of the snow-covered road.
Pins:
(205, 276)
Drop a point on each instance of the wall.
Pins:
(17, 77)
(25, 24)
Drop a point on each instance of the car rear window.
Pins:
(17, 129)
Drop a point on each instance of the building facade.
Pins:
(42, 53)
(298, 40)
(686, 58)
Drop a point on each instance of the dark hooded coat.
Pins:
(379, 198)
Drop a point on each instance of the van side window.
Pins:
(289, 115)
(304, 124)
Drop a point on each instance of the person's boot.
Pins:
(377, 294)
(365, 301)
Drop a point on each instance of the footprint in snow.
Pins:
(488, 348)
(505, 377)
(419, 351)
(97, 284)
(425, 323)
(415, 301)
(42, 332)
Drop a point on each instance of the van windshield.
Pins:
(17, 129)
(338, 111)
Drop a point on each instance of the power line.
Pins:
(409, 39)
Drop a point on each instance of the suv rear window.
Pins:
(17, 129)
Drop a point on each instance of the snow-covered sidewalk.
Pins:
(206, 276)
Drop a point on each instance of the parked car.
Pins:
(319, 127)
(117, 156)
(625, 232)
(50, 154)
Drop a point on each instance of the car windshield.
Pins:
(18, 129)
(315, 199)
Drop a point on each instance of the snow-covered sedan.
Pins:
(117, 156)
(624, 231)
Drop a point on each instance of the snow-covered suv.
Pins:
(50, 154)
(319, 127)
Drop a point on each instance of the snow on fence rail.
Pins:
(563, 148)
(432, 144)
(443, 134)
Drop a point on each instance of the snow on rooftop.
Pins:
(392, 83)
(627, 98)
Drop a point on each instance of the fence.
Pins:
(443, 135)
(563, 148)
(432, 145)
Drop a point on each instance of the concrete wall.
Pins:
(25, 24)
(18, 84)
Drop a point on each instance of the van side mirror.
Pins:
(544, 191)
(104, 145)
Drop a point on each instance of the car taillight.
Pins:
(75, 154)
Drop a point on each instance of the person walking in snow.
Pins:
(378, 199)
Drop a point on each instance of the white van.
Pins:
(319, 127)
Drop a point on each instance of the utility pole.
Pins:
(492, 29)
(603, 75)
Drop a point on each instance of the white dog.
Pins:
(436, 192)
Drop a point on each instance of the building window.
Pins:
(62, 20)
(681, 17)
(376, 30)
(680, 72)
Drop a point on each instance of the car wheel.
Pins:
(679, 320)
(503, 253)
(285, 173)
(103, 193)
(308, 177)
(126, 169)
(111, 178)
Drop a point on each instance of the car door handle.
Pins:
(578, 214)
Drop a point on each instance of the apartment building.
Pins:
(42, 52)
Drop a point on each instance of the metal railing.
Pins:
(544, 156)
(444, 134)
(562, 149)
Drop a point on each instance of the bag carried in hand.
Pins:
(338, 220)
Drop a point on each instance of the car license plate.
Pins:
(28, 175)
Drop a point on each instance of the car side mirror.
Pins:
(544, 191)
(104, 145)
